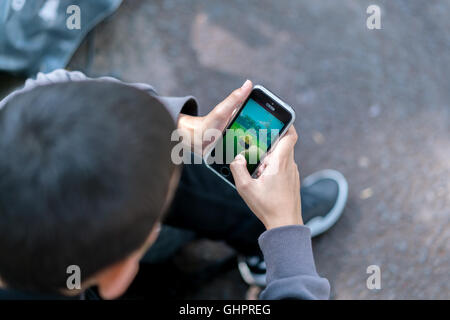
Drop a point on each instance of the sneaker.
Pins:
(324, 195)
(253, 270)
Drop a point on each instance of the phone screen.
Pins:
(252, 133)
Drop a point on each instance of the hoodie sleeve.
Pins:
(291, 272)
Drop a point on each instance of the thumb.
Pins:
(234, 100)
(240, 173)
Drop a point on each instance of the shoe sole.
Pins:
(319, 225)
(248, 277)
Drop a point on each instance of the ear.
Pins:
(115, 280)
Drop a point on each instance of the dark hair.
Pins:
(84, 174)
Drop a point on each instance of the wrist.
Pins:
(292, 220)
(192, 126)
(282, 224)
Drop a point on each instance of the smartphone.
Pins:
(253, 131)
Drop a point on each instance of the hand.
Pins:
(274, 197)
(216, 119)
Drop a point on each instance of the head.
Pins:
(85, 177)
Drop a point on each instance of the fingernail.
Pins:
(246, 84)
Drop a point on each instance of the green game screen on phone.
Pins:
(252, 132)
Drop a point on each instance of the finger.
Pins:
(240, 173)
(260, 169)
(283, 153)
(234, 100)
(264, 162)
(285, 147)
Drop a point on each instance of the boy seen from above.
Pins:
(86, 179)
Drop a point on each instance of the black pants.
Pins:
(207, 205)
